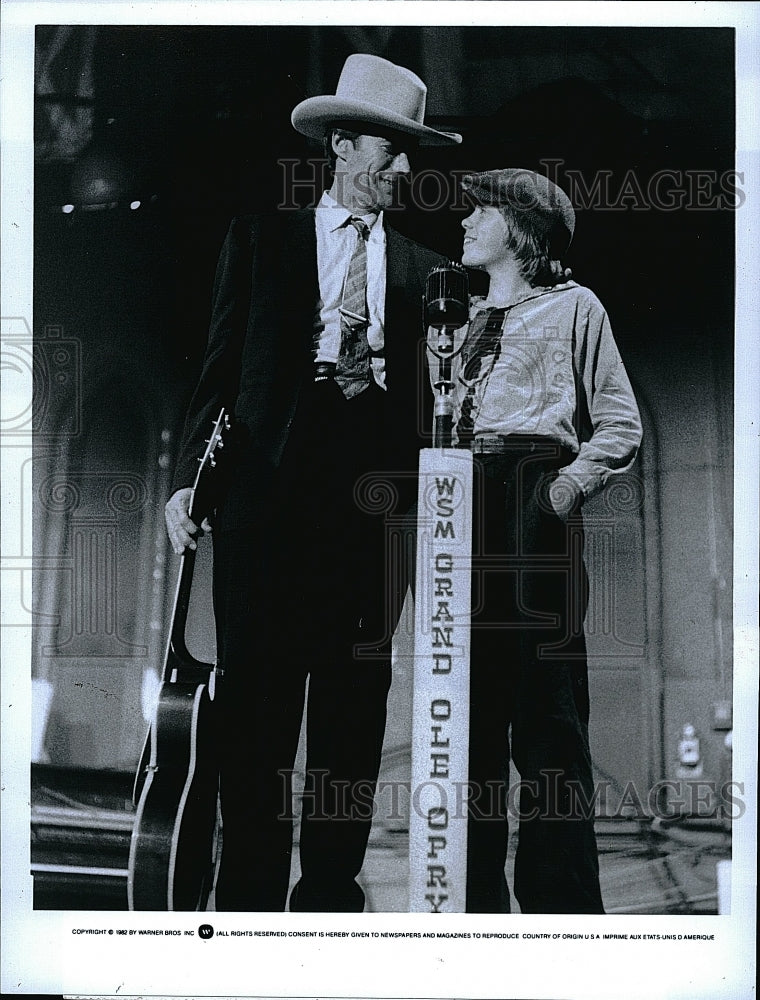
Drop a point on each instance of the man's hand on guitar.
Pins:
(181, 529)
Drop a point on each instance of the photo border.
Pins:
(42, 951)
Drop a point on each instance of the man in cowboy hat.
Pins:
(314, 346)
(542, 399)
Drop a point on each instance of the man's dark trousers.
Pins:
(308, 591)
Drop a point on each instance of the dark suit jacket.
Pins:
(259, 349)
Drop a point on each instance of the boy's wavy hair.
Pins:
(529, 240)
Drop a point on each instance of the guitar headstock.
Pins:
(208, 462)
(216, 441)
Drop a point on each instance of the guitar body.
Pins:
(171, 857)
(168, 717)
(173, 846)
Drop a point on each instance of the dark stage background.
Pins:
(148, 140)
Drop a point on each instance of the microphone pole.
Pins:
(441, 691)
(445, 310)
(443, 414)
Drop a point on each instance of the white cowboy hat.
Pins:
(372, 91)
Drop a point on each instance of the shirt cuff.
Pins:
(587, 482)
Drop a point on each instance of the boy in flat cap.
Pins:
(543, 400)
(314, 347)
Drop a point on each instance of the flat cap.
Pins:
(527, 191)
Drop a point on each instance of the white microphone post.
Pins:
(440, 711)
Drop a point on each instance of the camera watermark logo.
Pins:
(42, 382)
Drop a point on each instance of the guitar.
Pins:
(173, 845)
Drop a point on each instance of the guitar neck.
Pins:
(178, 655)
(178, 658)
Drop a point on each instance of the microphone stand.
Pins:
(445, 308)
(443, 414)
(442, 606)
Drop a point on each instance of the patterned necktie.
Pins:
(479, 354)
(353, 369)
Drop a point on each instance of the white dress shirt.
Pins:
(335, 244)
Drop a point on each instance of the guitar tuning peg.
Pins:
(220, 442)
(212, 461)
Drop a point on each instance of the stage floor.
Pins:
(81, 826)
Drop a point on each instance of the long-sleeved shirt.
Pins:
(550, 369)
(335, 244)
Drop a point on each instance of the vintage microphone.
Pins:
(445, 310)
(440, 703)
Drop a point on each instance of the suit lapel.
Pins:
(397, 265)
(398, 308)
(299, 264)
